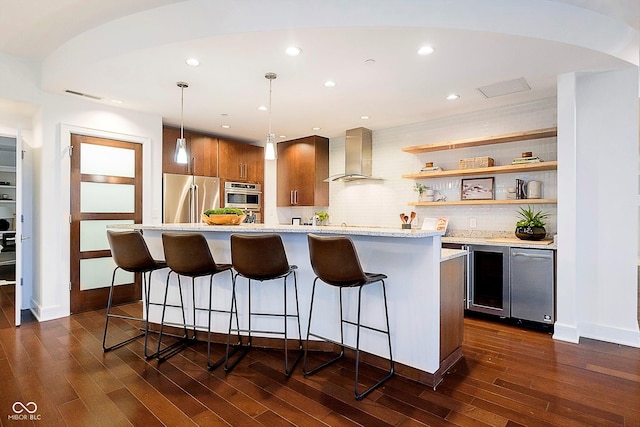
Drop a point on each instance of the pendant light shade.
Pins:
(181, 144)
(270, 149)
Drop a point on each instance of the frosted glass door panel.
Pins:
(96, 273)
(93, 234)
(102, 160)
(99, 197)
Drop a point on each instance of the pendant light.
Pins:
(270, 151)
(181, 144)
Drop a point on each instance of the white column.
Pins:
(597, 206)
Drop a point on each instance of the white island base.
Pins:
(410, 259)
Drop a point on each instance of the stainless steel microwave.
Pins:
(242, 195)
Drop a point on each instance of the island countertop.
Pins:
(263, 228)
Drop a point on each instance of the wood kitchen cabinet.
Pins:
(203, 154)
(240, 161)
(202, 151)
(303, 165)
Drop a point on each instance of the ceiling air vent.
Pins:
(73, 92)
(504, 88)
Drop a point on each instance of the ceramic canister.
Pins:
(534, 190)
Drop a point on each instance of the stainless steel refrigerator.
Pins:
(186, 197)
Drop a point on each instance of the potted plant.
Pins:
(420, 189)
(322, 217)
(531, 224)
(223, 216)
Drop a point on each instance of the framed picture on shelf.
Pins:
(477, 189)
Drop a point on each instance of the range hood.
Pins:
(357, 156)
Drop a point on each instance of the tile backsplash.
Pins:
(378, 203)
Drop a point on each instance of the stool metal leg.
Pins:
(360, 396)
(184, 341)
(109, 315)
(288, 370)
(224, 358)
(340, 355)
(245, 349)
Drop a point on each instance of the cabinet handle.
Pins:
(291, 197)
(527, 255)
(295, 193)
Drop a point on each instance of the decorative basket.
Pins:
(223, 219)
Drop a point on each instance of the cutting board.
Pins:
(519, 241)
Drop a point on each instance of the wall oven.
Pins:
(242, 195)
(488, 280)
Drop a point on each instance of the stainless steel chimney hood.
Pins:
(357, 156)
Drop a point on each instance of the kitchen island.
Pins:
(410, 259)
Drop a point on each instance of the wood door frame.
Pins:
(97, 298)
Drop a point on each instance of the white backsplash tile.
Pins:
(379, 203)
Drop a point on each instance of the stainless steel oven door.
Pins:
(242, 199)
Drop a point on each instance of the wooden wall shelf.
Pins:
(488, 202)
(528, 167)
(486, 140)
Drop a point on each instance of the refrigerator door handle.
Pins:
(196, 203)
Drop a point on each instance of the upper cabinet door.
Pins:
(240, 161)
(303, 165)
(203, 155)
(254, 160)
(231, 160)
(169, 139)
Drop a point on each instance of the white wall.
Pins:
(378, 203)
(61, 115)
(598, 190)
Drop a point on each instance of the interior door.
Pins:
(23, 221)
(106, 188)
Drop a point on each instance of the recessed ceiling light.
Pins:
(282, 136)
(452, 97)
(364, 117)
(225, 126)
(329, 83)
(116, 101)
(293, 51)
(193, 62)
(262, 108)
(316, 128)
(370, 61)
(425, 50)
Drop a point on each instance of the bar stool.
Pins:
(188, 254)
(335, 261)
(130, 253)
(262, 257)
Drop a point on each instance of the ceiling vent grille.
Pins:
(505, 88)
(73, 92)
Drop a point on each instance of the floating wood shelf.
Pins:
(487, 140)
(494, 170)
(488, 202)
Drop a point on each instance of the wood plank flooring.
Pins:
(508, 377)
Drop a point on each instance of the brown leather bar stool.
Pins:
(261, 257)
(130, 253)
(188, 254)
(335, 261)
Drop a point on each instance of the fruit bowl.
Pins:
(223, 219)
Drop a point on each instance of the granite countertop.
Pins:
(495, 238)
(447, 254)
(415, 233)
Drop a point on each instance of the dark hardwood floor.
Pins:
(508, 377)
